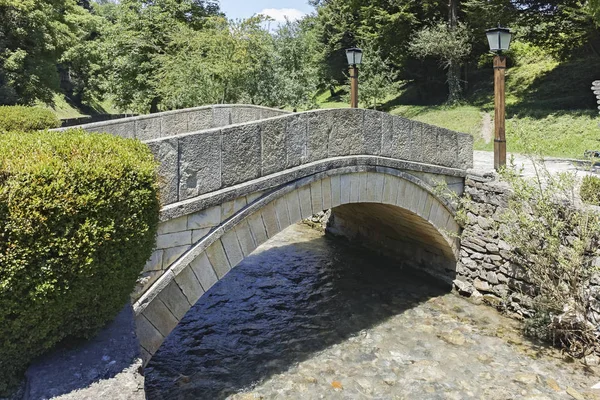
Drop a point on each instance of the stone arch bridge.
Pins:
(234, 176)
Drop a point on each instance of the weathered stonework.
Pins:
(171, 123)
(198, 248)
(485, 268)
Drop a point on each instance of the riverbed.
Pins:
(307, 316)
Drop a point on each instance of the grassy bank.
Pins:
(550, 108)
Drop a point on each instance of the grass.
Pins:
(63, 109)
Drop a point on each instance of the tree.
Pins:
(141, 32)
(33, 37)
(449, 45)
(296, 52)
(376, 76)
(224, 62)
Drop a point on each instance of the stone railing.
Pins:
(211, 160)
(170, 123)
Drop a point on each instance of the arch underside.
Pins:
(383, 208)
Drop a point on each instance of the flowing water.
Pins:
(310, 317)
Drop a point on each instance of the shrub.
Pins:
(590, 190)
(554, 240)
(26, 119)
(78, 218)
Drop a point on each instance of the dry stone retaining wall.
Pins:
(485, 268)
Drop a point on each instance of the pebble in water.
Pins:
(310, 317)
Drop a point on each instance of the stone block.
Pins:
(354, 188)
(336, 191)
(148, 128)
(160, 317)
(227, 210)
(189, 285)
(293, 206)
(447, 148)
(174, 124)
(345, 188)
(390, 189)
(155, 261)
(200, 164)
(232, 248)
(281, 211)
(204, 271)
(347, 137)
(425, 210)
(173, 225)
(326, 193)
(305, 201)
(166, 152)
(397, 144)
(149, 337)
(218, 259)
(240, 203)
(429, 144)
(269, 217)
(144, 282)
(253, 197)
(198, 234)
(245, 239)
(241, 160)
(171, 255)
(465, 151)
(316, 197)
(416, 140)
(208, 218)
(296, 140)
(122, 129)
(175, 239)
(257, 227)
(274, 153)
(221, 116)
(174, 299)
(199, 120)
(320, 126)
(244, 114)
(372, 130)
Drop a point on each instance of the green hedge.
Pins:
(590, 190)
(26, 119)
(78, 219)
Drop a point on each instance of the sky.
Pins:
(276, 9)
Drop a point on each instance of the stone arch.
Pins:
(428, 218)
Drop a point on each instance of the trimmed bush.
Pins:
(590, 190)
(26, 119)
(78, 219)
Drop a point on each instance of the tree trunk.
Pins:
(154, 105)
(454, 87)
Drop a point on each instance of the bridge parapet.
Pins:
(169, 123)
(197, 163)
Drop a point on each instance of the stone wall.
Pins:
(170, 123)
(485, 269)
(211, 160)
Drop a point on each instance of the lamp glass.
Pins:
(354, 56)
(499, 39)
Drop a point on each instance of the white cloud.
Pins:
(279, 14)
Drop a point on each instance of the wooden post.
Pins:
(499, 100)
(353, 86)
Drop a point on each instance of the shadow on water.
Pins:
(277, 308)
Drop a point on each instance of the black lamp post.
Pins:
(354, 56)
(499, 41)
